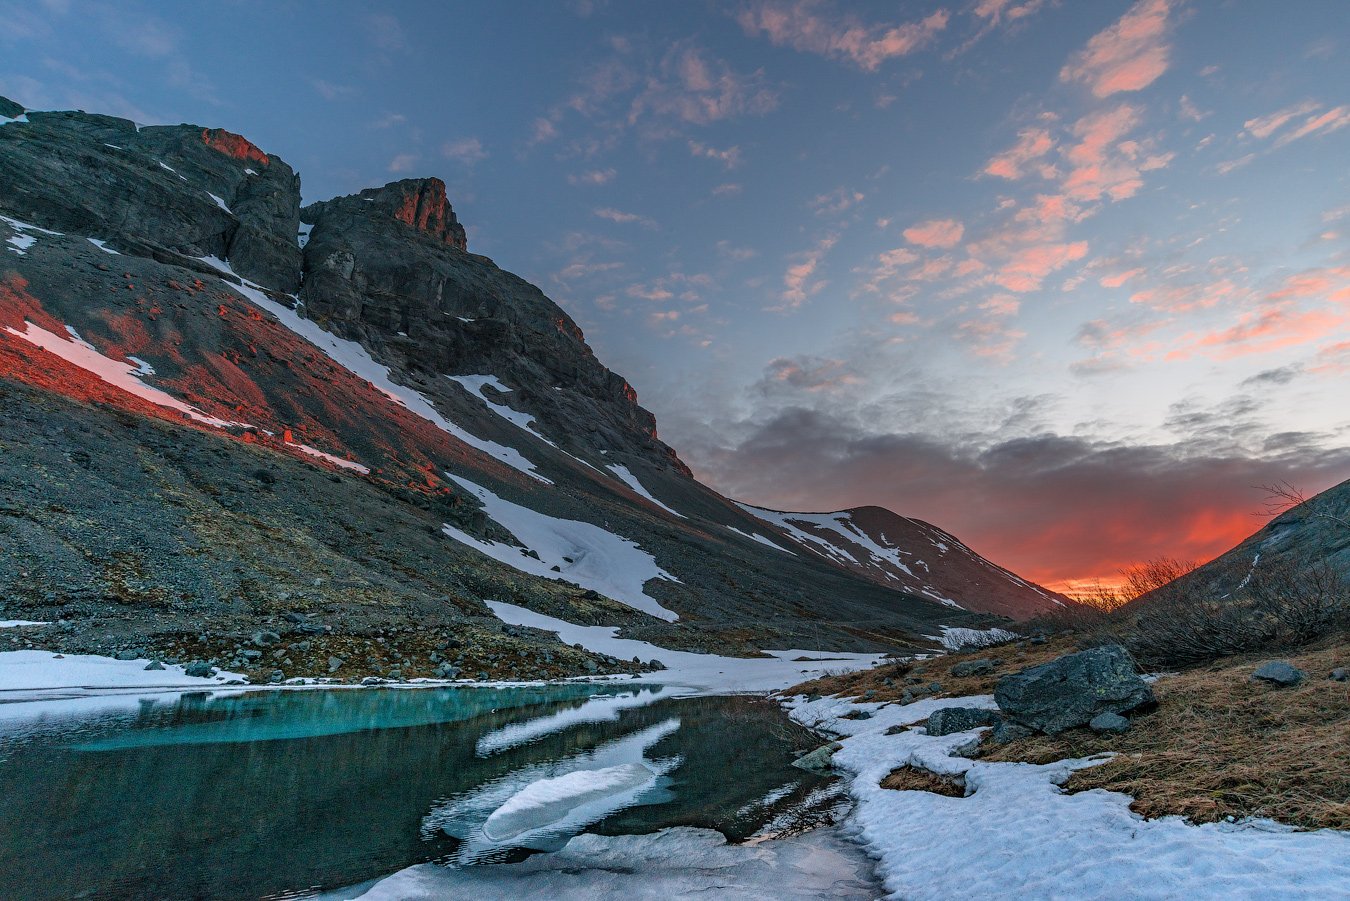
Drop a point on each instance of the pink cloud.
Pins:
(1331, 120)
(803, 26)
(1032, 144)
(936, 233)
(623, 218)
(1265, 126)
(799, 281)
(1323, 284)
(1264, 331)
(1128, 56)
(1030, 265)
(1117, 279)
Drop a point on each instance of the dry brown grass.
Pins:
(1220, 745)
(901, 676)
(908, 778)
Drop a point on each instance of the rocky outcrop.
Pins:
(1073, 689)
(159, 191)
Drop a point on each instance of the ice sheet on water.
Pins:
(682, 862)
(542, 805)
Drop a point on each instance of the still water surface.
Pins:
(279, 794)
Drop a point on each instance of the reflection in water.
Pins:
(270, 793)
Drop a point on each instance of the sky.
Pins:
(1070, 280)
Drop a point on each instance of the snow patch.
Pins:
(353, 357)
(220, 203)
(755, 536)
(115, 372)
(22, 240)
(583, 553)
(474, 384)
(331, 458)
(21, 118)
(103, 246)
(47, 672)
(15, 623)
(627, 477)
(302, 237)
(954, 637)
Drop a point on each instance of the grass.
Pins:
(1217, 746)
(908, 778)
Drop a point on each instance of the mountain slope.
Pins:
(1314, 532)
(913, 556)
(227, 407)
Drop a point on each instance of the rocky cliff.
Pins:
(221, 413)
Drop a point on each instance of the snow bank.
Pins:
(117, 373)
(626, 476)
(474, 384)
(353, 357)
(755, 536)
(698, 672)
(15, 623)
(40, 673)
(1018, 836)
(21, 240)
(674, 863)
(584, 553)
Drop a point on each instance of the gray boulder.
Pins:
(959, 719)
(1072, 689)
(1277, 672)
(335, 664)
(1109, 722)
(981, 667)
(820, 760)
(1006, 731)
(1339, 674)
(154, 665)
(199, 668)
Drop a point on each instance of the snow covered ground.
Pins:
(1016, 835)
(699, 672)
(626, 476)
(29, 675)
(582, 552)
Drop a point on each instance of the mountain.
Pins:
(1316, 531)
(912, 556)
(225, 412)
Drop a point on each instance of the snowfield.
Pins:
(582, 552)
(26, 675)
(1017, 835)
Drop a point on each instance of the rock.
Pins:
(959, 719)
(200, 669)
(1006, 731)
(277, 677)
(1071, 690)
(266, 639)
(446, 671)
(154, 665)
(294, 616)
(1109, 722)
(820, 760)
(1339, 674)
(250, 654)
(335, 664)
(591, 666)
(126, 655)
(965, 668)
(372, 680)
(1278, 672)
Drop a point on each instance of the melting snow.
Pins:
(701, 672)
(15, 623)
(331, 458)
(20, 242)
(103, 246)
(220, 203)
(49, 673)
(545, 801)
(114, 372)
(302, 237)
(755, 536)
(474, 384)
(353, 357)
(22, 117)
(1017, 835)
(631, 481)
(584, 553)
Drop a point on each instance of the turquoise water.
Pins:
(279, 794)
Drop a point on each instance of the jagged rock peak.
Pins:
(418, 202)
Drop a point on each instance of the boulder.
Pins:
(266, 639)
(959, 719)
(1109, 722)
(154, 665)
(820, 760)
(1072, 689)
(981, 667)
(335, 664)
(1006, 731)
(200, 669)
(1339, 674)
(1278, 672)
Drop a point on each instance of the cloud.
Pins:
(1265, 126)
(1128, 56)
(386, 33)
(800, 281)
(593, 177)
(730, 157)
(1032, 144)
(812, 27)
(835, 202)
(729, 189)
(1323, 123)
(465, 150)
(1028, 267)
(388, 120)
(1051, 507)
(695, 88)
(623, 218)
(935, 233)
(403, 162)
(808, 373)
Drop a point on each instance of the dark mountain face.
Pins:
(217, 408)
(912, 556)
(1316, 532)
